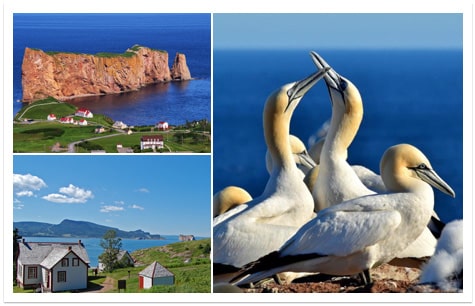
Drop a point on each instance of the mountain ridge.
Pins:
(76, 229)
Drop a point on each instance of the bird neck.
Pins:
(343, 128)
(276, 132)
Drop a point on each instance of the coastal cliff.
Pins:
(65, 76)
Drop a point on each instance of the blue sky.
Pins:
(327, 31)
(163, 194)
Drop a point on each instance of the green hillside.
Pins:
(189, 261)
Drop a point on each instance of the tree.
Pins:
(16, 251)
(111, 245)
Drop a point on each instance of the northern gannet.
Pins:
(365, 232)
(337, 181)
(262, 225)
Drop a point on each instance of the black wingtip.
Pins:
(436, 226)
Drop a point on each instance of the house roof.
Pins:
(155, 270)
(47, 254)
(151, 137)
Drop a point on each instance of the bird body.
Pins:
(337, 181)
(364, 232)
(262, 225)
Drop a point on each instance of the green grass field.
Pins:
(33, 134)
(193, 276)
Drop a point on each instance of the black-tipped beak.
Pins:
(332, 78)
(300, 88)
(432, 178)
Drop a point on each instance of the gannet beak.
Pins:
(306, 160)
(332, 78)
(300, 88)
(432, 178)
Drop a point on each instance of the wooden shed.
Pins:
(155, 274)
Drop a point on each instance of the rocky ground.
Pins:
(386, 279)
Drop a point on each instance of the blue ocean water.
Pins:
(94, 248)
(92, 33)
(409, 97)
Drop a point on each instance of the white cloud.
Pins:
(70, 194)
(27, 181)
(137, 207)
(110, 208)
(18, 206)
(25, 193)
(145, 190)
(119, 202)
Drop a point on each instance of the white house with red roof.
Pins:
(69, 120)
(82, 122)
(51, 117)
(84, 112)
(52, 266)
(151, 142)
(162, 125)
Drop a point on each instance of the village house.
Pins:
(99, 130)
(82, 122)
(69, 120)
(151, 142)
(186, 237)
(119, 125)
(51, 117)
(162, 125)
(52, 266)
(123, 257)
(84, 112)
(155, 274)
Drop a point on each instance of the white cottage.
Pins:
(52, 266)
(155, 274)
(151, 142)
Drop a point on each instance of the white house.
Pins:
(155, 274)
(99, 130)
(51, 117)
(52, 266)
(162, 125)
(67, 120)
(151, 142)
(84, 112)
(82, 122)
(119, 125)
(123, 257)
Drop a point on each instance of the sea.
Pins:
(94, 248)
(409, 96)
(174, 102)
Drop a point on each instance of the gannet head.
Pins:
(402, 164)
(229, 198)
(341, 89)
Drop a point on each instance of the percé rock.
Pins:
(180, 70)
(65, 76)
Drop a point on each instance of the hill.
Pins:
(80, 229)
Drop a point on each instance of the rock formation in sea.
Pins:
(64, 76)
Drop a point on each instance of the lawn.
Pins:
(189, 261)
(32, 133)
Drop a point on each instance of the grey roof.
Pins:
(155, 270)
(47, 254)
